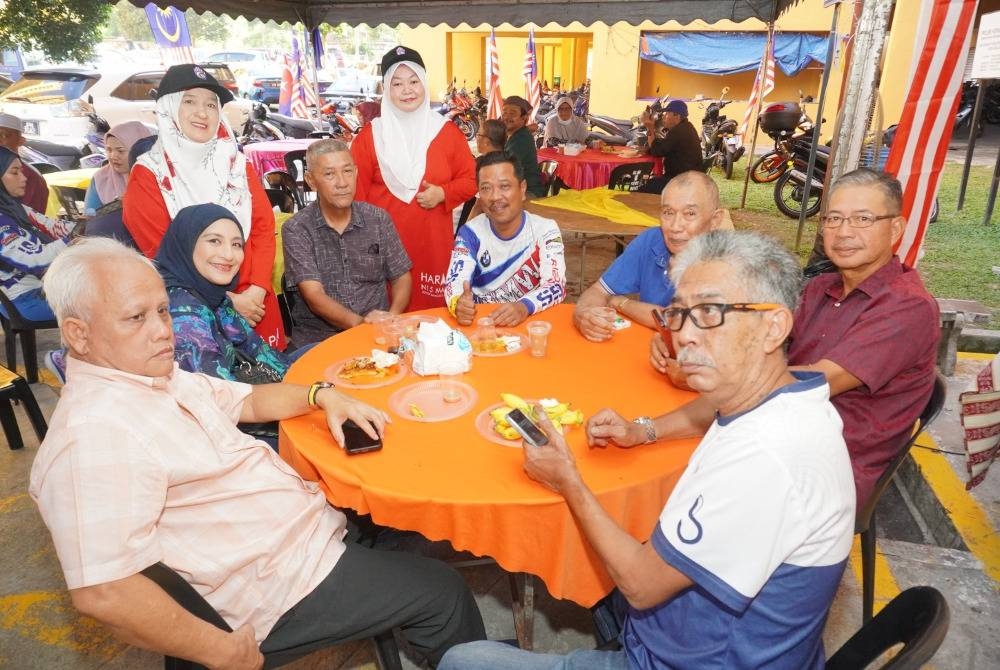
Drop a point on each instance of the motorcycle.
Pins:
(265, 125)
(463, 110)
(720, 142)
(789, 187)
(775, 120)
(967, 104)
(47, 156)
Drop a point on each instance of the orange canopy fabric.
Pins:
(446, 481)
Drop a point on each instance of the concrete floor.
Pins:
(40, 629)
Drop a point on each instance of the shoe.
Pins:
(55, 362)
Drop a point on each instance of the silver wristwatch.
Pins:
(646, 423)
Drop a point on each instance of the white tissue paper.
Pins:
(437, 343)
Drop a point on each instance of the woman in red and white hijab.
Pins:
(196, 160)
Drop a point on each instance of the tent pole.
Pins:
(971, 148)
(830, 47)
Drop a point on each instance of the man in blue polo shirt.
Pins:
(690, 206)
(751, 545)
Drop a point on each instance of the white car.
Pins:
(54, 102)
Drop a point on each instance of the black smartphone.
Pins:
(528, 429)
(357, 441)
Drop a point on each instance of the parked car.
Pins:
(5, 83)
(12, 63)
(54, 102)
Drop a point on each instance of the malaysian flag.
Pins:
(763, 84)
(533, 90)
(493, 77)
(921, 143)
(285, 93)
(303, 94)
(170, 30)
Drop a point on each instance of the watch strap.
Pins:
(314, 389)
(647, 424)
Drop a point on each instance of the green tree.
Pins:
(207, 27)
(62, 29)
(129, 22)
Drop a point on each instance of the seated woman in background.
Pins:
(200, 258)
(492, 136)
(109, 182)
(29, 242)
(565, 126)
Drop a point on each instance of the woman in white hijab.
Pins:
(195, 161)
(418, 167)
(565, 127)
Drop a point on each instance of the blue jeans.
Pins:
(32, 306)
(500, 656)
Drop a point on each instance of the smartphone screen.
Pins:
(528, 429)
(357, 441)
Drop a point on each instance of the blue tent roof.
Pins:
(729, 53)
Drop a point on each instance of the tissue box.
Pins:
(436, 343)
(573, 149)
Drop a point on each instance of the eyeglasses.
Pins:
(709, 314)
(855, 220)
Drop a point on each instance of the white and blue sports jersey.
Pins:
(762, 522)
(528, 267)
(25, 253)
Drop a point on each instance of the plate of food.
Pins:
(425, 401)
(492, 424)
(505, 343)
(367, 372)
(629, 153)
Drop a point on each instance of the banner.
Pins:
(532, 88)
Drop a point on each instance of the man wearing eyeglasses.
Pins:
(751, 545)
(871, 328)
(689, 206)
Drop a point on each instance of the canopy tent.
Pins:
(475, 12)
(728, 53)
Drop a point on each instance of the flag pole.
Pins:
(768, 47)
(318, 122)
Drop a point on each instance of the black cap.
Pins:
(520, 102)
(187, 76)
(398, 55)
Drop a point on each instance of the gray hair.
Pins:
(323, 147)
(69, 282)
(701, 180)
(886, 183)
(767, 269)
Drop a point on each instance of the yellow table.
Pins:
(69, 179)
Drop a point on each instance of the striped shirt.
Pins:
(136, 470)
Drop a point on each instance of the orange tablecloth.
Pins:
(590, 168)
(267, 156)
(448, 482)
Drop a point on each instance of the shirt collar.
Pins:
(659, 251)
(874, 285)
(78, 369)
(357, 221)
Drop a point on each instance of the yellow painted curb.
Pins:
(886, 587)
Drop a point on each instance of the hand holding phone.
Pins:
(665, 332)
(357, 441)
(528, 429)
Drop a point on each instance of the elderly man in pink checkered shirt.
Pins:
(143, 463)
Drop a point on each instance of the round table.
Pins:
(590, 168)
(446, 481)
(267, 156)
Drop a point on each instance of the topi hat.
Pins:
(187, 76)
(12, 122)
(400, 54)
(520, 102)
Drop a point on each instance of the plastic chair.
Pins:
(630, 177)
(550, 181)
(68, 197)
(864, 522)
(14, 326)
(386, 651)
(292, 161)
(281, 199)
(280, 180)
(918, 618)
(13, 389)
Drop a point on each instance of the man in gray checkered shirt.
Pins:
(340, 255)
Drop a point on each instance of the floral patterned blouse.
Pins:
(207, 340)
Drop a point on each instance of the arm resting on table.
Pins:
(326, 308)
(142, 614)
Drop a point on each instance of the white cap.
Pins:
(12, 122)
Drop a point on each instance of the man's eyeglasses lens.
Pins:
(854, 221)
(710, 314)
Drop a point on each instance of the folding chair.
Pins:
(864, 522)
(295, 165)
(14, 326)
(550, 181)
(14, 389)
(280, 180)
(630, 176)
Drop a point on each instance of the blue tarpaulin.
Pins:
(729, 53)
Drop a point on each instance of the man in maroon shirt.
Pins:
(871, 328)
(36, 195)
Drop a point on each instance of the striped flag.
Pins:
(170, 30)
(285, 93)
(532, 89)
(763, 84)
(303, 94)
(921, 143)
(493, 78)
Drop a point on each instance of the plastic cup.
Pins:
(486, 329)
(393, 331)
(538, 337)
(450, 377)
(378, 325)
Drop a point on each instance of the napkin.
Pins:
(437, 343)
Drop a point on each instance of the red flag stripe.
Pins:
(918, 153)
(495, 106)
